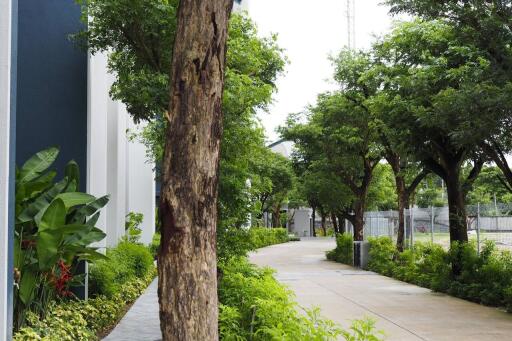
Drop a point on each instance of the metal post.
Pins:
(478, 228)
(432, 225)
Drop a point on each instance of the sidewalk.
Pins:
(141, 323)
(403, 311)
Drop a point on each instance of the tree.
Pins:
(340, 134)
(361, 72)
(483, 29)
(187, 266)
(274, 180)
(428, 72)
(136, 35)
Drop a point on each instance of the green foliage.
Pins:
(261, 237)
(138, 36)
(237, 242)
(344, 251)
(132, 226)
(155, 244)
(83, 320)
(484, 278)
(55, 227)
(272, 182)
(126, 262)
(255, 306)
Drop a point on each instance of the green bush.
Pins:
(155, 244)
(126, 262)
(255, 306)
(483, 278)
(261, 237)
(83, 320)
(344, 251)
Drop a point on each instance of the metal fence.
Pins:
(485, 222)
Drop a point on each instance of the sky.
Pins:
(310, 31)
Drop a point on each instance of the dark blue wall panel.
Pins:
(51, 82)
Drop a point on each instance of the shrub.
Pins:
(83, 320)
(255, 306)
(381, 255)
(126, 262)
(261, 237)
(344, 251)
(155, 244)
(483, 278)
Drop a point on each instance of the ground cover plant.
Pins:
(255, 306)
(114, 284)
(484, 278)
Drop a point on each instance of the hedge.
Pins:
(484, 278)
(344, 251)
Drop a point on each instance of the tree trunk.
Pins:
(334, 223)
(187, 269)
(324, 229)
(456, 207)
(276, 217)
(358, 222)
(313, 218)
(342, 224)
(402, 205)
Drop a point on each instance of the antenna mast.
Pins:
(351, 23)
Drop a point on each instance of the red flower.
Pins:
(62, 280)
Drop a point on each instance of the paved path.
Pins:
(403, 311)
(141, 323)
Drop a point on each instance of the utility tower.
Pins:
(351, 23)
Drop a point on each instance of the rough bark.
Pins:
(324, 229)
(456, 207)
(358, 219)
(403, 203)
(187, 260)
(334, 223)
(276, 216)
(342, 224)
(313, 218)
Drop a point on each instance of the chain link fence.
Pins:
(485, 222)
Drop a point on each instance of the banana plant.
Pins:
(54, 230)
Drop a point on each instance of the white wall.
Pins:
(116, 171)
(141, 186)
(116, 166)
(97, 108)
(5, 104)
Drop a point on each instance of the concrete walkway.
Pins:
(403, 311)
(141, 323)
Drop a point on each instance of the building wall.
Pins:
(8, 25)
(52, 82)
(141, 185)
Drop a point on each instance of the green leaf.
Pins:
(83, 212)
(72, 172)
(94, 219)
(37, 208)
(54, 216)
(40, 184)
(82, 235)
(75, 198)
(48, 248)
(27, 285)
(37, 164)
